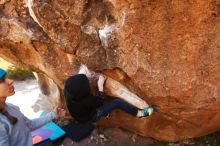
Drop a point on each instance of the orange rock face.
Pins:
(166, 52)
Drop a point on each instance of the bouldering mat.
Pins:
(78, 131)
(49, 131)
(47, 142)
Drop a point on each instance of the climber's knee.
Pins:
(117, 102)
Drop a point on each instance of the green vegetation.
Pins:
(15, 72)
(19, 73)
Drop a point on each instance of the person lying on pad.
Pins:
(15, 128)
(85, 107)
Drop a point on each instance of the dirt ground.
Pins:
(107, 136)
(110, 137)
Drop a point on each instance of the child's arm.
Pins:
(34, 124)
(37, 122)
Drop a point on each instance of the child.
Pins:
(85, 107)
(15, 128)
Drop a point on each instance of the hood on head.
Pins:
(77, 87)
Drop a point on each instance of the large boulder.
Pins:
(166, 52)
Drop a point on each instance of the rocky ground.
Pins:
(114, 136)
(103, 136)
(110, 137)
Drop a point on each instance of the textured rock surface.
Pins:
(166, 52)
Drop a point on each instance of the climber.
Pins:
(15, 128)
(85, 107)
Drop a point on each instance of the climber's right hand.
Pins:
(101, 82)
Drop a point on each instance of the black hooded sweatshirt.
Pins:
(80, 102)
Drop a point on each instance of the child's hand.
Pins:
(60, 112)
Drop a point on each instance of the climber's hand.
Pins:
(60, 112)
(101, 82)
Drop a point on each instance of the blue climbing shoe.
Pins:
(146, 112)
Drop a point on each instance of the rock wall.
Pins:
(166, 52)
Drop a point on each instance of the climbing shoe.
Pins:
(146, 112)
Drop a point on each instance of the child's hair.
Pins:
(11, 118)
